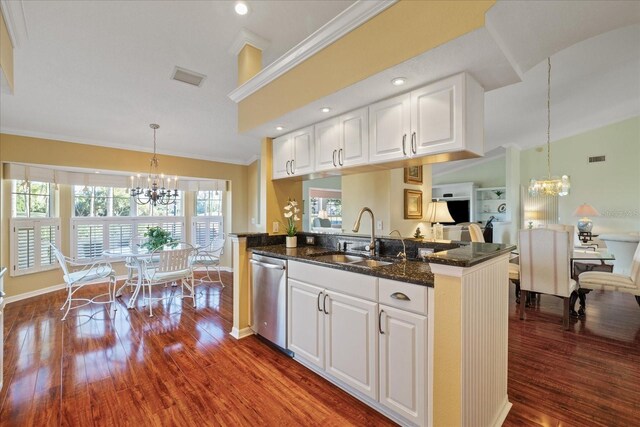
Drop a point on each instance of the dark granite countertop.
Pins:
(415, 272)
(470, 255)
(247, 234)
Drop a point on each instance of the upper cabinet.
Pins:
(444, 118)
(342, 141)
(293, 154)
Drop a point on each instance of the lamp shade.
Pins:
(438, 212)
(586, 210)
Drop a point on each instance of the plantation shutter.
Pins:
(26, 248)
(47, 235)
(206, 229)
(120, 235)
(30, 250)
(89, 240)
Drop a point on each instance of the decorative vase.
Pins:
(292, 241)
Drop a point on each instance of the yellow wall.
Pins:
(403, 31)
(249, 63)
(253, 196)
(6, 53)
(18, 149)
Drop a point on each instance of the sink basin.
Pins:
(370, 263)
(340, 258)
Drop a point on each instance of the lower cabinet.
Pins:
(336, 333)
(403, 363)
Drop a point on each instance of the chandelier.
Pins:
(157, 189)
(549, 186)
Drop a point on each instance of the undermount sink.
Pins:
(340, 258)
(370, 263)
(355, 260)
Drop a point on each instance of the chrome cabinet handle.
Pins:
(414, 143)
(320, 293)
(287, 167)
(324, 304)
(340, 157)
(404, 139)
(334, 158)
(293, 167)
(400, 296)
(380, 322)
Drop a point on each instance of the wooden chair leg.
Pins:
(565, 313)
(638, 299)
(523, 299)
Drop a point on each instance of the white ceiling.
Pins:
(98, 72)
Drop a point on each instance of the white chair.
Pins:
(622, 246)
(545, 266)
(208, 257)
(475, 233)
(166, 266)
(78, 275)
(603, 281)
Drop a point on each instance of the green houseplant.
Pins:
(157, 237)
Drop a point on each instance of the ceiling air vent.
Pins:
(596, 159)
(187, 76)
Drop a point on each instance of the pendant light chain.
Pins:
(549, 117)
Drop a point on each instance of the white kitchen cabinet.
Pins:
(293, 154)
(442, 117)
(403, 363)
(306, 322)
(342, 141)
(350, 341)
(389, 129)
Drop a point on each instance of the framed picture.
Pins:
(412, 204)
(413, 175)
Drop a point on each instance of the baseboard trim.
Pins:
(35, 293)
(241, 333)
(503, 414)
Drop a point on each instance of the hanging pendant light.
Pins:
(550, 186)
(157, 190)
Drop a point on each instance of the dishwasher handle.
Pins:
(263, 264)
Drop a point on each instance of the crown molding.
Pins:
(351, 18)
(247, 37)
(14, 17)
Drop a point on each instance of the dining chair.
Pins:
(475, 233)
(77, 275)
(208, 257)
(169, 266)
(545, 266)
(604, 281)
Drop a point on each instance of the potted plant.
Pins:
(157, 237)
(291, 214)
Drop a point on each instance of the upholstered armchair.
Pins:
(598, 280)
(545, 266)
(622, 246)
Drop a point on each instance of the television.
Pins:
(459, 210)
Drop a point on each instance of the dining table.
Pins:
(135, 257)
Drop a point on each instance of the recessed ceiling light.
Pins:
(97, 171)
(398, 81)
(279, 128)
(325, 109)
(241, 8)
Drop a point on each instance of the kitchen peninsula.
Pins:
(425, 343)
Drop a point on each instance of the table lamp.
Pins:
(584, 210)
(531, 216)
(438, 212)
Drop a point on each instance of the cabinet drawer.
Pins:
(416, 294)
(357, 285)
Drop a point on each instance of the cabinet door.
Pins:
(436, 116)
(354, 138)
(282, 156)
(351, 342)
(303, 152)
(389, 126)
(306, 322)
(327, 142)
(403, 363)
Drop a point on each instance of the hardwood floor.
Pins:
(182, 368)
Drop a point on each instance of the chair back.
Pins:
(635, 267)
(545, 261)
(61, 259)
(624, 249)
(171, 260)
(475, 233)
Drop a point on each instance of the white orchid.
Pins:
(291, 214)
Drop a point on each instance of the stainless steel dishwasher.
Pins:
(269, 286)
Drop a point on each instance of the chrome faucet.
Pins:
(402, 254)
(356, 227)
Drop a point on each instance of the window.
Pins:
(30, 240)
(32, 227)
(209, 203)
(31, 199)
(101, 201)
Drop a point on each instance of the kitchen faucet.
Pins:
(402, 254)
(356, 227)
